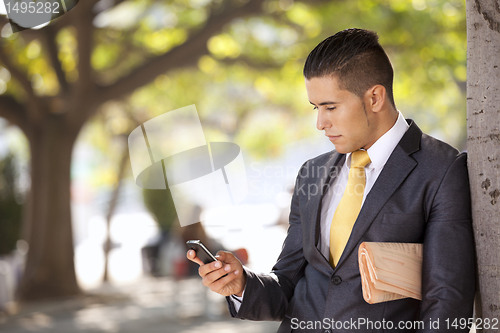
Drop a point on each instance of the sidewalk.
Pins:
(148, 306)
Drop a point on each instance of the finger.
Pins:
(210, 267)
(191, 255)
(213, 276)
(220, 285)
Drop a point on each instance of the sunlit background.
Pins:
(248, 88)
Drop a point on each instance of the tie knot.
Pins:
(359, 159)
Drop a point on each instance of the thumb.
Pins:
(220, 255)
(224, 256)
(227, 257)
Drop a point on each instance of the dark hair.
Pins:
(356, 58)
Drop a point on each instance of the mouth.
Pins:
(333, 137)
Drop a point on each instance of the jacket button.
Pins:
(336, 280)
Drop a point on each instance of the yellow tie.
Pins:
(349, 206)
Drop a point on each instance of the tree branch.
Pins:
(180, 56)
(103, 6)
(68, 18)
(50, 43)
(84, 86)
(317, 2)
(85, 29)
(124, 163)
(251, 63)
(15, 72)
(34, 112)
(129, 50)
(14, 112)
(64, 20)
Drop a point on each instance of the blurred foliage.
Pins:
(249, 89)
(161, 205)
(10, 205)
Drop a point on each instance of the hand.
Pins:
(227, 263)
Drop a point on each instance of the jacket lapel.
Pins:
(315, 256)
(397, 168)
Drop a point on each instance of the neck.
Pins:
(384, 124)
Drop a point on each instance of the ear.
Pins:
(375, 97)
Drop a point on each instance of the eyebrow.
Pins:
(324, 103)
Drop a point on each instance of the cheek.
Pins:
(359, 121)
(340, 118)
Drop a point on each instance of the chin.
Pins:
(341, 150)
(344, 150)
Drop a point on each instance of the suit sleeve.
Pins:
(267, 295)
(448, 271)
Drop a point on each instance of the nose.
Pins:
(322, 121)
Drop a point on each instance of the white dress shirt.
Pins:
(379, 153)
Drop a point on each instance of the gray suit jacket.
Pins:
(421, 196)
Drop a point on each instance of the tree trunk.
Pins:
(483, 112)
(50, 269)
(112, 206)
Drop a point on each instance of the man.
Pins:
(386, 181)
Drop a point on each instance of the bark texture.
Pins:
(483, 142)
(49, 268)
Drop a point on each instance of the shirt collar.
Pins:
(380, 151)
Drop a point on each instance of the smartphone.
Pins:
(201, 251)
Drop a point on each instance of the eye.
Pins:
(331, 108)
(315, 108)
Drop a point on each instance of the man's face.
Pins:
(341, 114)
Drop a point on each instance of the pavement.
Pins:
(149, 305)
